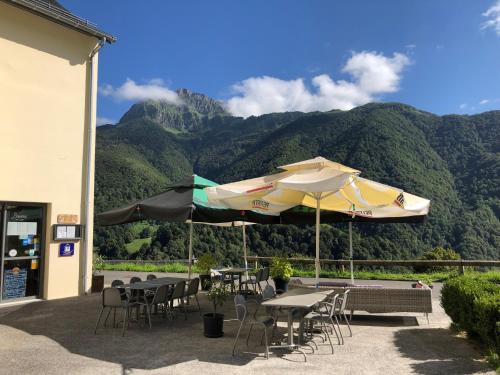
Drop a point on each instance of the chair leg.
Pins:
(98, 320)
(237, 336)
(249, 332)
(335, 330)
(199, 308)
(327, 334)
(348, 325)
(107, 316)
(267, 342)
(125, 320)
(148, 311)
(340, 331)
(114, 317)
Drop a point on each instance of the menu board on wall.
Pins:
(14, 283)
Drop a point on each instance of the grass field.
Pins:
(135, 245)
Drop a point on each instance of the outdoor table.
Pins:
(151, 284)
(234, 271)
(298, 298)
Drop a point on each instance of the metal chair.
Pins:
(123, 292)
(254, 280)
(135, 279)
(242, 315)
(111, 298)
(178, 294)
(340, 313)
(320, 319)
(265, 274)
(192, 290)
(159, 299)
(151, 277)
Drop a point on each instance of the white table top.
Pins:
(300, 297)
(155, 283)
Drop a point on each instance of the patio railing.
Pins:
(344, 263)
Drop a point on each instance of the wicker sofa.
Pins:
(378, 299)
(389, 300)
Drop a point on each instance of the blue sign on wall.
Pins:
(66, 249)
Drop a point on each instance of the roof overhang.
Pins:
(63, 17)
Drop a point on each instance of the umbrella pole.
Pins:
(350, 253)
(190, 260)
(245, 248)
(318, 199)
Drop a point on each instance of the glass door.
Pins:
(21, 241)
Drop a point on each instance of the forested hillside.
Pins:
(452, 160)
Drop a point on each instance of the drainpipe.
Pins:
(90, 162)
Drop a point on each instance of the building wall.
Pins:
(44, 98)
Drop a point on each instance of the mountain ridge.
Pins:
(453, 160)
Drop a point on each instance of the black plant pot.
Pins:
(213, 324)
(97, 284)
(205, 282)
(281, 285)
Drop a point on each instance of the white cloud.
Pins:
(493, 13)
(372, 74)
(104, 121)
(463, 106)
(484, 101)
(131, 91)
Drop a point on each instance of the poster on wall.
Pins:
(14, 283)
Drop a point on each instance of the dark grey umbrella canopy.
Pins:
(180, 202)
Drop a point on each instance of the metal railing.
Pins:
(342, 263)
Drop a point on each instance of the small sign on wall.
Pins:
(66, 249)
(67, 219)
(67, 232)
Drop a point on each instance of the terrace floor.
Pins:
(56, 337)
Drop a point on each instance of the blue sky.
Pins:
(264, 56)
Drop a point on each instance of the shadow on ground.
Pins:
(70, 322)
(438, 351)
(384, 321)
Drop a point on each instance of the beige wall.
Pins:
(44, 99)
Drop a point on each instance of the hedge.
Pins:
(473, 303)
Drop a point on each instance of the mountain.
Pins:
(452, 160)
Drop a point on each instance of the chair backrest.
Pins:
(161, 294)
(258, 275)
(179, 290)
(344, 301)
(240, 305)
(117, 283)
(150, 277)
(332, 307)
(135, 279)
(111, 297)
(193, 287)
(268, 293)
(265, 273)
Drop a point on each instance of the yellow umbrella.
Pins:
(321, 184)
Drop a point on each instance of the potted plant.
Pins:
(97, 278)
(281, 271)
(204, 264)
(213, 322)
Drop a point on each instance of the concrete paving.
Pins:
(56, 337)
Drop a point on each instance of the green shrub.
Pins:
(281, 268)
(205, 263)
(438, 253)
(473, 303)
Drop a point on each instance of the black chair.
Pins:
(192, 290)
(135, 279)
(111, 298)
(254, 281)
(123, 292)
(178, 294)
(151, 277)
